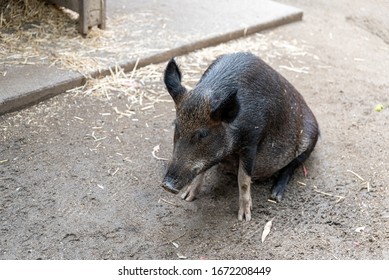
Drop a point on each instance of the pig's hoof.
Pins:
(276, 195)
(246, 214)
(167, 185)
(245, 210)
(189, 194)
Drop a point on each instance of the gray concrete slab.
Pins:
(146, 32)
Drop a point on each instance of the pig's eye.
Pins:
(202, 134)
(199, 135)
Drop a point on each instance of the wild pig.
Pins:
(241, 113)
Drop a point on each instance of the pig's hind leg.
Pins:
(192, 190)
(285, 174)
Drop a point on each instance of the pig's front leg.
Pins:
(192, 190)
(245, 202)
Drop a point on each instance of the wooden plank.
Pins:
(92, 12)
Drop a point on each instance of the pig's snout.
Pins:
(169, 185)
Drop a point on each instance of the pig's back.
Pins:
(266, 100)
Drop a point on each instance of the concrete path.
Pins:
(140, 33)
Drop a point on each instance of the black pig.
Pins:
(241, 113)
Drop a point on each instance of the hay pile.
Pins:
(34, 32)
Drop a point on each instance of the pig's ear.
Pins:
(226, 108)
(172, 79)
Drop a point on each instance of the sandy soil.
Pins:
(78, 179)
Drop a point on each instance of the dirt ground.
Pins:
(78, 178)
